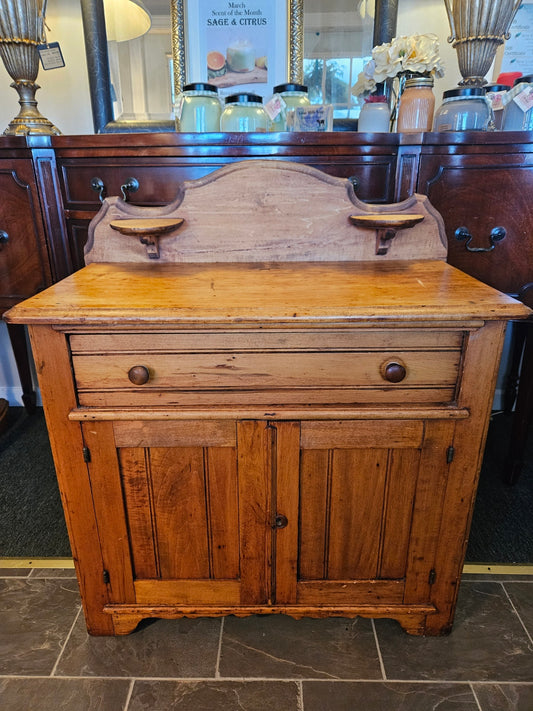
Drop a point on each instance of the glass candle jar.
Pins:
(463, 109)
(244, 112)
(293, 95)
(417, 104)
(518, 112)
(374, 116)
(198, 109)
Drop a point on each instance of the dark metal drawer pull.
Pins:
(130, 186)
(496, 235)
(4, 237)
(354, 180)
(97, 184)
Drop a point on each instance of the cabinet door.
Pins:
(192, 513)
(183, 510)
(483, 198)
(362, 503)
(24, 268)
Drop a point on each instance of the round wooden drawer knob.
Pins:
(139, 375)
(394, 372)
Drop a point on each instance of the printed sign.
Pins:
(519, 47)
(239, 45)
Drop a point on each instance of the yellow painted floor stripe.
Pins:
(472, 568)
(36, 563)
(497, 569)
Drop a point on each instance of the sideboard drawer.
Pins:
(265, 368)
(157, 184)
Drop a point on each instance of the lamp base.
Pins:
(475, 56)
(29, 120)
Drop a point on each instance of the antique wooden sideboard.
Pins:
(480, 182)
(268, 397)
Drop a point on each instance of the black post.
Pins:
(385, 20)
(92, 12)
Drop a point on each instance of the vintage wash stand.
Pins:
(267, 397)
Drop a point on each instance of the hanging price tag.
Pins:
(50, 55)
(275, 106)
(525, 99)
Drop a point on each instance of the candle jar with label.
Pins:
(463, 109)
(518, 112)
(293, 95)
(244, 112)
(198, 109)
(417, 104)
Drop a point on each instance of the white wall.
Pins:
(64, 94)
(416, 17)
(64, 98)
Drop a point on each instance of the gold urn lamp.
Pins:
(21, 31)
(478, 28)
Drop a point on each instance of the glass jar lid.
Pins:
(528, 79)
(244, 99)
(419, 82)
(496, 87)
(289, 87)
(465, 91)
(200, 86)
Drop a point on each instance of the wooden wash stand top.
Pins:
(267, 397)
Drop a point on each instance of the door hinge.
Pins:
(86, 454)
(105, 576)
(432, 576)
(450, 454)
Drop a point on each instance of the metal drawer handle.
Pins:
(4, 237)
(354, 180)
(394, 372)
(496, 235)
(130, 186)
(139, 374)
(97, 184)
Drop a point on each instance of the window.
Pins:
(337, 44)
(330, 81)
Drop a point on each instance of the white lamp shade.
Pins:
(126, 19)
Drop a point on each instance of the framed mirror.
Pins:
(245, 46)
(307, 19)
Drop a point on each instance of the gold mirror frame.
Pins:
(295, 25)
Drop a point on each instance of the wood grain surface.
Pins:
(296, 292)
(268, 210)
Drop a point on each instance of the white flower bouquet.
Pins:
(414, 55)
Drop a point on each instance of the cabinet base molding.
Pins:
(412, 618)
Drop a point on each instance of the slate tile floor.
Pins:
(48, 662)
